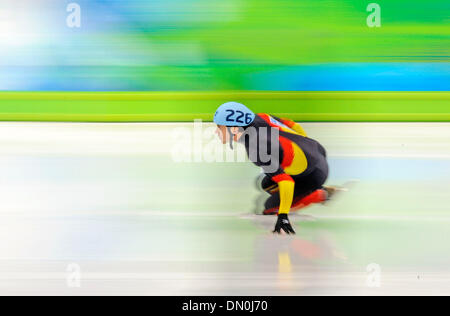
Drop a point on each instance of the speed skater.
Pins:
(295, 166)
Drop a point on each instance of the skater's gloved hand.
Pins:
(283, 224)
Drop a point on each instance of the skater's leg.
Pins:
(272, 204)
(317, 196)
(268, 185)
(265, 185)
(308, 189)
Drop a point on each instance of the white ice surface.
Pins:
(110, 200)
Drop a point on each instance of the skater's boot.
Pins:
(332, 191)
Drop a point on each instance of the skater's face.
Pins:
(222, 133)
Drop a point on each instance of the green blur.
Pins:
(187, 106)
(304, 32)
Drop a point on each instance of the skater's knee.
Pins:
(269, 185)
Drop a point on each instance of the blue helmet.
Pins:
(233, 114)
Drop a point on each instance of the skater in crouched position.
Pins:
(294, 165)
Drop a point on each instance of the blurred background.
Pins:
(148, 45)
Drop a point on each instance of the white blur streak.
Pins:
(20, 24)
(408, 140)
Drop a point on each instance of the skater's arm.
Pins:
(286, 185)
(286, 196)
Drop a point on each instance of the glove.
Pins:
(283, 224)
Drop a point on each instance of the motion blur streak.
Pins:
(142, 45)
(103, 196)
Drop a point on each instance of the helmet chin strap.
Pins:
(231, 137)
